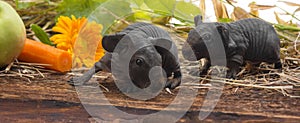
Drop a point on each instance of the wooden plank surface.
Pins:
(59, 98)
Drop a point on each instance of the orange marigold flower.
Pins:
(80, 38)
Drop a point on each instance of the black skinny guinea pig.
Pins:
(250, 39)
(135, 51)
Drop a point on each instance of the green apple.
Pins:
(12, 34)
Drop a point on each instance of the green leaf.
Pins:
(287, 27)
(110, 11)
(225, 20)
(23, 5)
(41, 34)
(138, 2)
(186, 11)
(78, 8)
(100, 1)
(181, 10)
(142, 15)
(165, 7)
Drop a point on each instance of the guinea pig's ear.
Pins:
(162, 43)
(198, 20)
(228, 42)
(109, 42)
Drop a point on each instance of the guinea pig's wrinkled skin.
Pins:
(250, 39)
(146, 46)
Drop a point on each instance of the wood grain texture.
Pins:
(53, 100)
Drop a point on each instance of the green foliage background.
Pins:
(107, 11)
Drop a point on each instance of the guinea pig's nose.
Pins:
(188, 52)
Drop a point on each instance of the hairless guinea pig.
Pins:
(250, 39)
(135, 52)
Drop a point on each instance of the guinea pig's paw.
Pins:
(203, 72)
(173, 83)
(231, 74)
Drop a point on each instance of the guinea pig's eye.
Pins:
(139, 61)
(206, 36)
